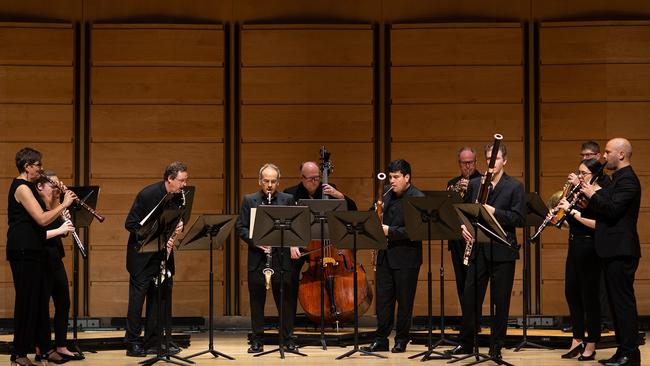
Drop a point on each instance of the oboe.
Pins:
(65, 215)
(77, 201)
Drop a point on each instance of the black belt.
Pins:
(572, 236)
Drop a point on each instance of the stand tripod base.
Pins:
(213, 352)
(167, 358)
(430, 354)
(526, 344)
(480, 358)
(363, 353)
(282, 351)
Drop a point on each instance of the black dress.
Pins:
(26, 256)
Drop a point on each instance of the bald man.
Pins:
(617, 243)
(310, 186)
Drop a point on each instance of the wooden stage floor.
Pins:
(234, 344)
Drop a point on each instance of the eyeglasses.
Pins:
(469, 162)
(313, 179)
(587, 155)
(581, 173)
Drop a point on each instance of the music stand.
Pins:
(486, 229)
(427, 218)
(320, 231)
(356, 230)
(536, 213)
(157, 226)
(273, 226)
(207, 231)
(80, 219)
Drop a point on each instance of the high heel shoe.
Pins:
(591, 357)
(52, 356)
(575, 351)
(20, 361)
(73, 357)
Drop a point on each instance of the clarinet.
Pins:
(65, 215)
(268, 271)
(164, 272)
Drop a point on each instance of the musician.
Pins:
(26, 237)
(310, 186)
(617, 244)
(467, 166)
(398, 265)
(582, 274)
(506, 201)
(269, 181)
(56, 279)
(144, 267)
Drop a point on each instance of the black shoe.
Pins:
(459, 350)
(376, 346)
(256, 347)
(399, 347)
(495, 354)
(52, 356)
(575, 351)
(591, 357)
(136, 350)
(624, 361)
(73, 357)
(172, 350)
(290, 345)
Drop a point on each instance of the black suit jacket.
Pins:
(402, 252)
(509, 200)
(256, 256)
(617, 210)
(144, 202)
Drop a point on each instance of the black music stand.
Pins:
(427, 218)
(207, 231)
(356, 230)
(157, 227)
(320, 231)
(536, 213)
(273, 226)
(81, 218)
(486, 230)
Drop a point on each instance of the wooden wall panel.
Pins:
(298, 123)
(593, 86)
(157, 96)
(144, 123)
(312, 45)
(36, 44)
(157, 44)
(36, 110)
(452, 44)
(307, 85)
(455, 85)
(19, 121)
(302, 87)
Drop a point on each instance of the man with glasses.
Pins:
(144, 267)
(310, 186)
(269, 181)
(467, 166)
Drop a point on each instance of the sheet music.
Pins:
(501, 231)
(252, 221)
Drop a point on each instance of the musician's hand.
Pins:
(563, 204)
(489, 209)
(587, 189)
(574, 179)
(551, 216)
(464, 183)
(295, 252)
(265, 248)
(385, 227)
(66, 228)
(329, 190)
(68, 198)
(179, 227)
(466, 234)
(170, 245)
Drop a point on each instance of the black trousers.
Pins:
(55, 285)
(581, 288)
(257, 297)
(28, 278)
(457, 251)
(501, 276)
(395, 286)
(141, 287)
(619, 279)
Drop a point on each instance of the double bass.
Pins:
(335, 267)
